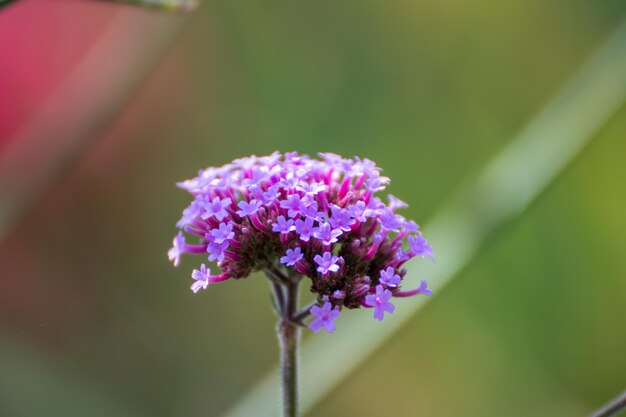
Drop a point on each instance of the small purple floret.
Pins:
(341, 218)
(304, 228)
(395, 203)
(327, 263)
(390, 221)
(248, 208)
(178, 245)
(216, 208)
(389, 277)
(326, 234)
(423, 288)
(294, 205)
(217, 251)
(222, 234)
(324, 318)
(380, 302)
(311, 188)
(270, 195)
(419, 246)
(291, 257)
(283, 225)
(202, 278)
(357, 211)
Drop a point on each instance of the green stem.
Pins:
(288, 335)
(289, 339)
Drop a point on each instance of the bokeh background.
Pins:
(103, 107)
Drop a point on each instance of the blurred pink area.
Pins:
(41, 41)
(85, 72)
(72, 67)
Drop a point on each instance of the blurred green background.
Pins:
(95, 321)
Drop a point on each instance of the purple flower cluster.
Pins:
(303, 216)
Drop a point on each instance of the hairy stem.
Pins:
(289, 338)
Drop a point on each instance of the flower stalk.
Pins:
(286, 296)
(286, 300)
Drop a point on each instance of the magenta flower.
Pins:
(380, 302)
(301, 220)
(294, 216)
(324, 317)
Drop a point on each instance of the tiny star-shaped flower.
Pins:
(221, 234)
(283, 225)
(420, 247)
(248, 208)
(380, 302)
(389, 277)
(292, 256)
(202, 278)
(325, 317)
(327, 263)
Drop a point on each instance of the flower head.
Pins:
(319, 218)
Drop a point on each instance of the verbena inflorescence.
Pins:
(297, 215)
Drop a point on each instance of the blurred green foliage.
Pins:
(430, 90)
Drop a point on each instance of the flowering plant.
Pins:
(292, 216)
